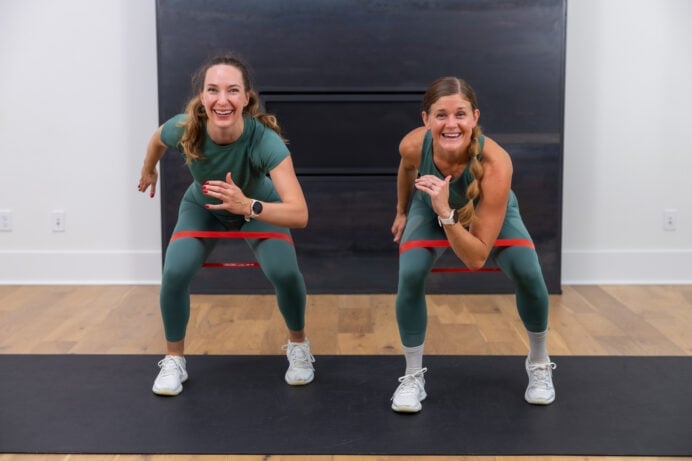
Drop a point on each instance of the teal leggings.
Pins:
(520, 264)
(185, 256)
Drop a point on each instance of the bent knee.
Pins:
(176, 276)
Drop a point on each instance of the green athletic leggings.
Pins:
(520, 264)
(185, 256)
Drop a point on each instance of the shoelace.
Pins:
(540, 374)
(169, 367)
(410, 384)
(299, 355)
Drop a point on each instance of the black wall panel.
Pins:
(345, 78)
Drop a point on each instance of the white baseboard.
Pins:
(634, 267)
(80, 267)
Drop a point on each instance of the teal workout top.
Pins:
(513, 226)
(458, 186)
(249, 159)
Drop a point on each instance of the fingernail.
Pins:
(206, 206)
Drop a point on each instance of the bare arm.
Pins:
(410, 151)
(149, 175)
(474, 245)
(292, 211)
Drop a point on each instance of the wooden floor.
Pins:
(584, 320)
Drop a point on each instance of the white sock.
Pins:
(414, 358)
(538, 351)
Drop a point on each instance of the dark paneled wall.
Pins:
(345, 78)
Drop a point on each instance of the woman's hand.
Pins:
(155, 150)
(438, 190)
(398, 227)
(232, 198)
(148, 179)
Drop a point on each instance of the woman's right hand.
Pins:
(148, 179)
(398, 227)
(155, 150)
(149, 175)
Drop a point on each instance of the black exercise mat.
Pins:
(241, 405)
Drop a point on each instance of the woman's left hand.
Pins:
(232, 198)
(437, 189)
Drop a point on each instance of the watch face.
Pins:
(256, 207)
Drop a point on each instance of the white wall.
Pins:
(628, 141)
(78, 102)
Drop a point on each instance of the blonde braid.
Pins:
(467, 213)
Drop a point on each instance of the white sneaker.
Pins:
(410, 393)
(540, 390)
(171, 377)
(300, 369)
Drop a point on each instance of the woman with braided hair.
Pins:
(454, 183)
(243, 179)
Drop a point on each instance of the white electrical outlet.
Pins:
(670, 219)
(5, 220)
(58, 221)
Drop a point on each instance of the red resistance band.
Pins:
(231, 235)
(445, 243)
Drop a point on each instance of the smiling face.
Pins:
(451, 120)
(224, 97)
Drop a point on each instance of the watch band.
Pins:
(452, 219)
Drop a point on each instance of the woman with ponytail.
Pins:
(243, 179)
(454, 183)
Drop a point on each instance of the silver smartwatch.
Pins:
(255, 210)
